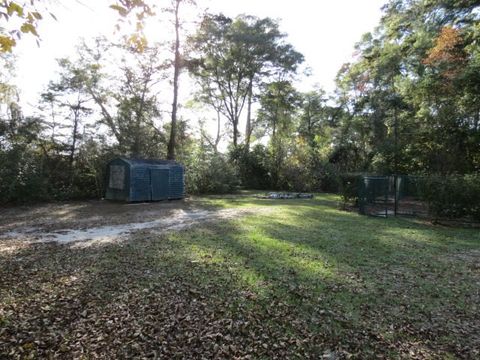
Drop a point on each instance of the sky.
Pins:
(324, 31)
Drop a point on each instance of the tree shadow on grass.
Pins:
(146, 297)
(300, 282)
(381, 282)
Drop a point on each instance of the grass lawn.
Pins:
(298, 279)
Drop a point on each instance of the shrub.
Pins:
(348, 186)
(329, 178)
(252, 167)
(22, 177)
(211, 173)
(452, 196)
(294, 177)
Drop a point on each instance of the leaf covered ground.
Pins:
(303, 280)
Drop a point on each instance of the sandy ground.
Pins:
(87, 223)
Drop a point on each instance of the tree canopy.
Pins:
(407, 103)
(232, 57)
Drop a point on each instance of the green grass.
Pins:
(300, 280)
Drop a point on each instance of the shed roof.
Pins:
(137, 161)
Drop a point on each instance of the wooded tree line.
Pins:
(408, 103)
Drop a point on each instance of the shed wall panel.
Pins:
(116, 192)
(159, 183)
(140, 184)
(144, 180)
(176, 183)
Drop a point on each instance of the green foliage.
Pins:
(210, 172)
(327, 178)
(278, 103)
(20, 18)
(410, 99)
(21, 169)
(8, 91)
(35, 169)
(134, 11)
(62, 155)
(252, 166)
(408, 103)
(235, 56)
(125, 94)
(21, 172)
(348, 188)
(452, 196)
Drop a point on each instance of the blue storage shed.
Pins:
(144, 180)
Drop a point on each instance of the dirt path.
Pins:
(86, 224)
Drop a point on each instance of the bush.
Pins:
(22, 177)
(329, 178)
(211, 173)
(252, 167)
(294, 177)
(348, 186)
(452, 196)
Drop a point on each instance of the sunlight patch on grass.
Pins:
(307, 263)
(304, 269)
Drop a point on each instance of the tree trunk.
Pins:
(76, 111)
(248, 129)
(108, 118)
(74, 136)
(217, 139)
(176, 74)
(235, 133)
(135, 149)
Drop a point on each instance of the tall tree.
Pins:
(67, 93)
(8, 91)
(140, 10)
(278, 106)
(279, 102)
(313, 114)
(234, 55)
(177, 66)
(410, 92)
(176, 74)
(127, 95)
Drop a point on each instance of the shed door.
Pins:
(159, 182)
